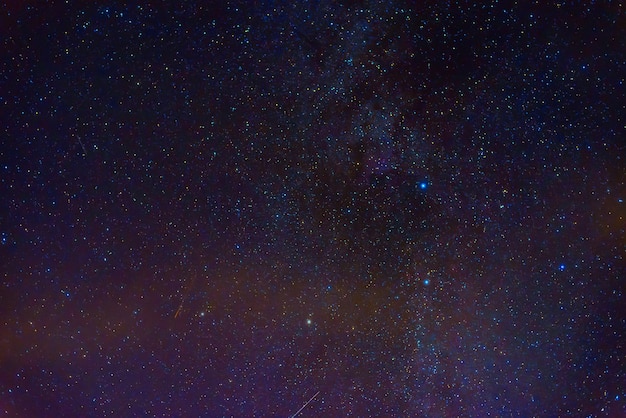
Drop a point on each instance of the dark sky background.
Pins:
(388, 209)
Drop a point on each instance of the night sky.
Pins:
(385, 209)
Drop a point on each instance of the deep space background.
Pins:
(378, 208)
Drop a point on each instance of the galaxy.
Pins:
(274, 208)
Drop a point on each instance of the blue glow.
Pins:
(423, 185)
(426, 282)
(562, 267)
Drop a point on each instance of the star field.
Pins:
(269, 208)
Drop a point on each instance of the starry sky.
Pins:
(313, 208)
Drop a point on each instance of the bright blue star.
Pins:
(423, 185)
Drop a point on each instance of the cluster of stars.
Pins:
(388, 209)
